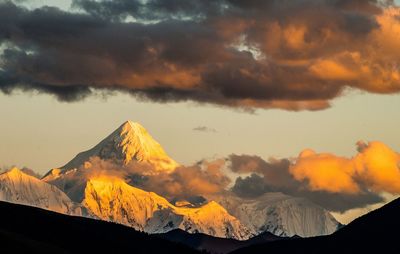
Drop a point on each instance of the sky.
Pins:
(322, 90)
(41, 133)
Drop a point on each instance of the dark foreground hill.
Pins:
(25, 229)
(214, 244)
(376, 232)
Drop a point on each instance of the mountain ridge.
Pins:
(280, 214)
(21, 188)
(146, 211)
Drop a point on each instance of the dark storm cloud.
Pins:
(293, 55)
(250, 187)
(150, 10)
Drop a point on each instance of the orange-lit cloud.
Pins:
(375, 168)
(334, 182)
(293, 55)
(183, 182)
(325, 172)
(378, 167)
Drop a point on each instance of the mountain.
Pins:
(129, 142)
(274, 212)
(25, 229)
(279, 214)
(375, 232)
(210, 244)
(18, 187)
(113, 200)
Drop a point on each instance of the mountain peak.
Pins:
(133, 129)
(133, 142)
(132, 125)
(19, 187)
(14, 171)
(129, 142)
(18, 176)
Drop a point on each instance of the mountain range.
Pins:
(75, 189)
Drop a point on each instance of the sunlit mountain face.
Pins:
(130, 142)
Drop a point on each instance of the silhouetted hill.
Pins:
(25, 229)
(215, 244)
(376, 232)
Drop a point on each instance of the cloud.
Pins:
(250, 186)
(325, 172)
(376, 167)
(205, 129)
(294, 55)
(183, 183)
(325, 179)
(275, 172)
(31, 172)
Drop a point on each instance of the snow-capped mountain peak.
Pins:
(137, 144)
(14, 173)
(21, 188)
(130, 142)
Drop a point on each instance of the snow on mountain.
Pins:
(280, 214)
(114, 200)
(110, 198)
(18, 187)
(129, 142)
(119, 202)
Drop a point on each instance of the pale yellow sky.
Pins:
(39, 132)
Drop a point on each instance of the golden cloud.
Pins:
(375, 168)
